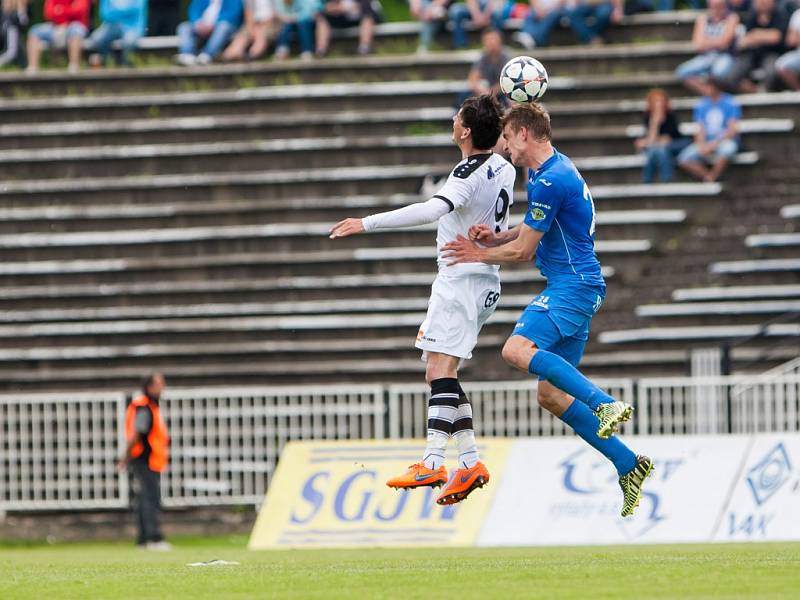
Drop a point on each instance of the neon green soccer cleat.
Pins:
(631, 484)
(611, 415)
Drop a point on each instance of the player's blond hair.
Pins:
(530, 116)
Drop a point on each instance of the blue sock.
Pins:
(567, 378)
(584, 422)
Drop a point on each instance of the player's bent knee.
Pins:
(549, 400)
(518, 351)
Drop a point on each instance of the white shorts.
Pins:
(458, 308)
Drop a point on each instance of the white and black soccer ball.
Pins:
(523, 79)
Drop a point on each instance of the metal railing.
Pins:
(58, 451)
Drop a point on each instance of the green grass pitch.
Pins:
(117, 571)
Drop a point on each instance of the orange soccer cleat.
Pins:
(418, 475)
(462, 483)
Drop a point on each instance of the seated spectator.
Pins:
(298, 18)
(163, 17)
(253, 38)
(13, 20)
(788, 65)
(713, 39)
(484, 76)
(212, 22)
(347, 13)
(482, 13)
(66, 26)
(716, 141)
(542, 17)
(740, 7)
(122, 20)
(589, 19)
(662, 140)
(758, 48)
(431, 14)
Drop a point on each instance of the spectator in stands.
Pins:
(662, 140)
(123, 20)
(348, 13)
(542, 17)
(298, 18)
(716, 140)
(163, 17)
(788, 65)
(252, 40)
(589, 19)
(713, 39)
(66, 26)
(147, 454)
(212, 22)
(13, 21)
(482, 13)
(740, 7)
(759, 48)
(431, 14)
(484, 76)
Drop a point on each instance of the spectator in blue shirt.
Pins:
(716, 141)
(123, 20)
(211, 21)
(299, 18)
(482, 13)
(589, 19)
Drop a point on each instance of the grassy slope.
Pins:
(120, 571)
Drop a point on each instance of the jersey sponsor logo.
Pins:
(545, 182)
(489, 173)
(540, 204)
(537, 214)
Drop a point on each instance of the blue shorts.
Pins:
(58, 35)
(558, 320)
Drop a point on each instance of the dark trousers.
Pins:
(147, 502)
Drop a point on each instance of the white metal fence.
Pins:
(58, 451)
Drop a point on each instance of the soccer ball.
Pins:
(523, 79)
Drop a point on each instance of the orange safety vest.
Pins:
(158, 439)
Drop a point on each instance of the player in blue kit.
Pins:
(549, 339)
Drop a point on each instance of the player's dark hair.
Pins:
(530, 116)
(482, 115)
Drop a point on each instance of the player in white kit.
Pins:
(479, 190)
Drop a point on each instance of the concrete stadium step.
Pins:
(239, 128)
(255, 328)
(717, 309)
(233, 265)
(295, 288)
(342, 181)
(313, 97)
(766, 266)
(236, 212)
(123, 159)
(287, 242)
(699, 333)
(736, 292)
(311, 308)
(612, 59)
(791, 211)
(124, 365)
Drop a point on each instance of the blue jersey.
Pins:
(560, 205)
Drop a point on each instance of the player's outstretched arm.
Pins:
(486, 236)
(412, 215)
(522, 249)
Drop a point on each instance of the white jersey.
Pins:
(479, 190)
